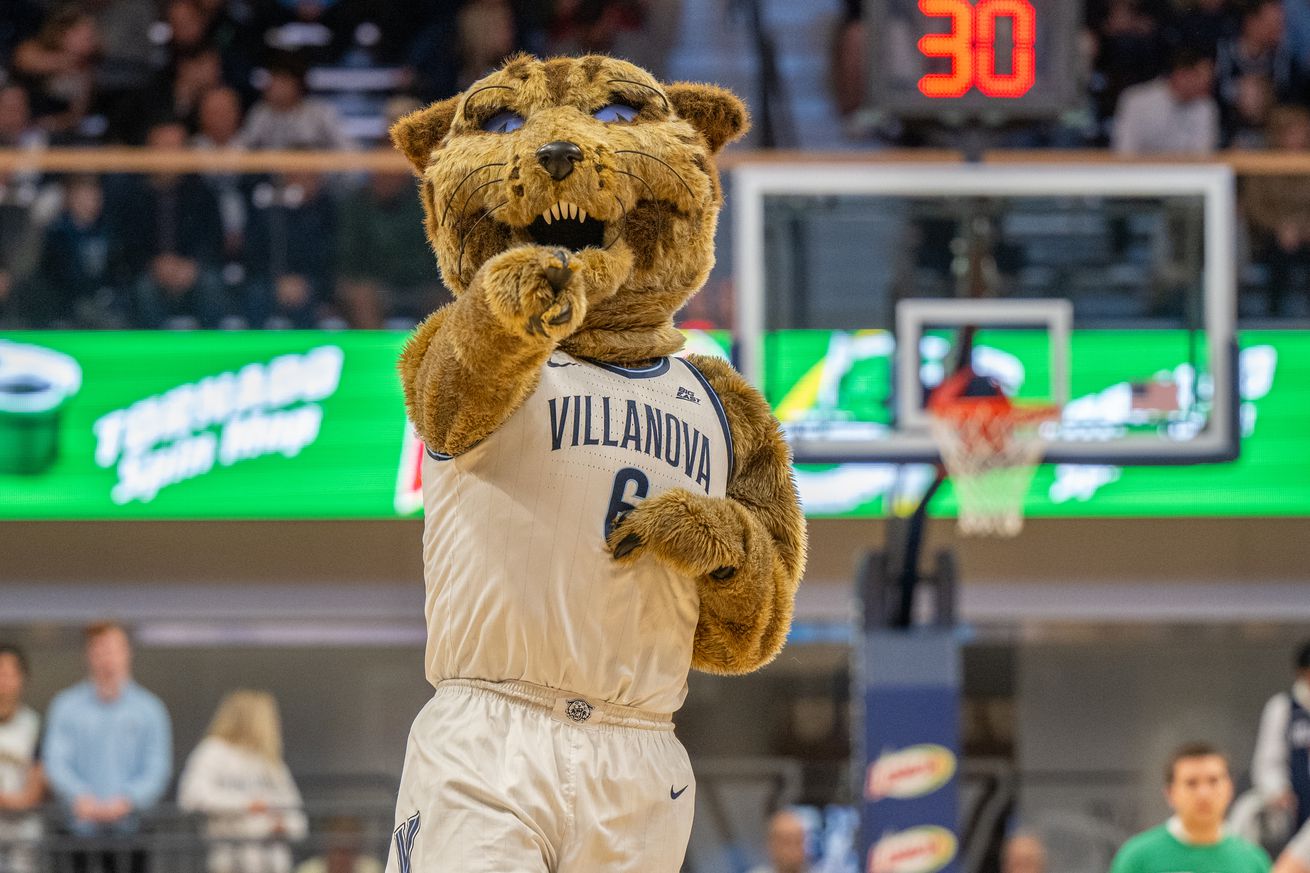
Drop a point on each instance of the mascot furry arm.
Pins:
(572, 204)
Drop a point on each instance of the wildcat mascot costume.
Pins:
(600, 515)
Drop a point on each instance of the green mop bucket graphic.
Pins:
(35, 386)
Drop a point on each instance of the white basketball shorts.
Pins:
(508, 777)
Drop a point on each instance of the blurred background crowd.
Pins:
(346, 249)
(236, 251)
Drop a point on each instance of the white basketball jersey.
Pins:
(541, 599)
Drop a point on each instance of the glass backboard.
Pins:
(855, 281)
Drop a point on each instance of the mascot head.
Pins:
(572, 153)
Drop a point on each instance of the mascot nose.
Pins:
(558, 158)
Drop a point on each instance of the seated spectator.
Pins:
(22, 210)
(166, 237)
(580, 27)
(107, 751)
(73, 286)
(179, 91)
(1023, 853)
(1173, 114)
(1281, 769)
(1257, 50)
(1130, 44)
(786, 845)
(343, 838)
(58, 67)
(218, 119)
(16, 128)
(290, 251)
(188, 28)
(1248, 125)
(385, 266)
(219, 122)
(387, 271)
(288, 119)
(486, 31)
(1199, 789)
(431, 59)
(22, 20)
(1278, 208)
(22, 780)
(232, 29)
(1298, 32)
(237, 778)
(848, 59)
(1204, 24)
(125, 64)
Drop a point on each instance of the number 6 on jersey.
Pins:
(619, 499)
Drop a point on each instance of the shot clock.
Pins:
(974, 60)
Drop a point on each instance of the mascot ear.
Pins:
(715, 112)
(419, 132)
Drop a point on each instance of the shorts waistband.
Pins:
(567, 706)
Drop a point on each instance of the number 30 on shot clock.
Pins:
(986, 58)
(970, 47)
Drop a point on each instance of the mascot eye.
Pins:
(615, 112)
(505, 121)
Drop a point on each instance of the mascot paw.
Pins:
(691, 533)
(602, 271)
(533, 290)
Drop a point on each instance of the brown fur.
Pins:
(653, 183)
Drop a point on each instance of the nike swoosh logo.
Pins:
(676, 794)
(565, 364)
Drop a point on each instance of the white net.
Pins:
(990, 450)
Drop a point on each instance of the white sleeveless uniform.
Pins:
(548, 745)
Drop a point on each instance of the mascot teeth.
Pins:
(563, 210)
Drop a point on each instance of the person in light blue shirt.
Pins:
(108, 744)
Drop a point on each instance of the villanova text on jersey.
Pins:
(590, 420)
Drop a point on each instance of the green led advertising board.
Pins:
(1270, 478)
(201, 425)
(209, 425)
(310, 425)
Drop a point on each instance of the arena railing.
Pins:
(142, 160)
(170, 840)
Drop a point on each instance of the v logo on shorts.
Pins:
(405, 836)
(674, 795)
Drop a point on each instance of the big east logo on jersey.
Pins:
(924, 849)
(911, 772)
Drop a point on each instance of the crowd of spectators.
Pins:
(1216, 71)
(295, 250)
(1162, 76)
(103, 761)
(1206, 829)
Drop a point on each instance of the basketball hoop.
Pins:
(990, 447)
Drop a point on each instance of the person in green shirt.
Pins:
(1199, 789)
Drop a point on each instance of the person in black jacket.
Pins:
(73, 284)
(167, 241)
(290, 250)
